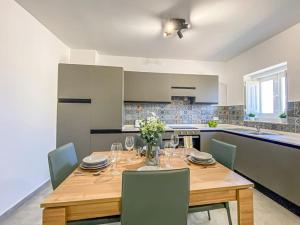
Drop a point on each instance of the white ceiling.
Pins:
(220, 29)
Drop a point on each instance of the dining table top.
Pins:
(83, 187)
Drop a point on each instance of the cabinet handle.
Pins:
(75, 100)
(189, 88)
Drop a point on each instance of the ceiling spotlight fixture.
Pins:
(175, 26)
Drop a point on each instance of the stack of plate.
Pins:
(94, 162)
(202, 158)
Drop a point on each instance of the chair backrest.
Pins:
(62, 162)
(223, 152)
(155, 197)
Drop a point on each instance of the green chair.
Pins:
(225, 154)
(155, 197)
(62, 162)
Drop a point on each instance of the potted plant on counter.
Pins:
(283, 117)
(151, 130)
(212, 123)
(251, 116)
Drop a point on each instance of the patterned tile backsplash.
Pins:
(179, 111)
(183, 111)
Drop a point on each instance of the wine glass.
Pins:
(168, 149)
(115, 149)
(129, 144)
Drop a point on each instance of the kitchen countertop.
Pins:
(288, 138)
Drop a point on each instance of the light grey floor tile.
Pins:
(266, 212)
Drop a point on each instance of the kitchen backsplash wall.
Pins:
(179, 111)
(182, 111)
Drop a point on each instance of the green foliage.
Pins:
(283, 115)
(212, 123)
(251, 115)
(151, 129)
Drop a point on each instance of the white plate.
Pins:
(202, 161)
(201, 155)
(84, 167)
(211, 162)
(94, 160)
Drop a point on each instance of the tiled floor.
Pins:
(266, 212)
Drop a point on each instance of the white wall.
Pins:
(83, 56)
(283, 47)
(29, 57)
(168, 66)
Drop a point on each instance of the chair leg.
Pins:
(208, 213)
(228, 213)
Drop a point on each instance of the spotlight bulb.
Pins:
(170, 27)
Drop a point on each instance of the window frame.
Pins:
(275, 73)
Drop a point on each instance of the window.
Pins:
(266, 92)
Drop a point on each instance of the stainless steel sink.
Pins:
(248, 131)
(242, 130)
(262, 133)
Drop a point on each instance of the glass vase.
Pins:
(152, 155)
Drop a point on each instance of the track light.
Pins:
(180, 35)
(175, 26)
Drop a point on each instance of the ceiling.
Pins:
(220, 29)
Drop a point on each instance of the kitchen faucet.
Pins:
(257, 126)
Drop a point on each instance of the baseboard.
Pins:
(11, 210)
(292, 207)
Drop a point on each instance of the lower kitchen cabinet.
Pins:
(274, 166)
(103, 141)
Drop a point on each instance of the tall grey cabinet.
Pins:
(89, 98)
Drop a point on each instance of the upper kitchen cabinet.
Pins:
(207, 89)
(160, 87)
(74, 81)
(184, 84)
(99, 86)
(146, 87)
(203, 87)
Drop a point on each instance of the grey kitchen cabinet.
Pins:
(74, 81)
(203, 87)
(102, 142)
(103, 85)
(207, 89)
(160, 87)
(184, 85)
(205, 139)
(73, 125)
(107, 97)
(146, 87)
(274, 166)
(103, 88)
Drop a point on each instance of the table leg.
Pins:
(245, 206)
(54, 216)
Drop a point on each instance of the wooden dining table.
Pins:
(83, 195)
